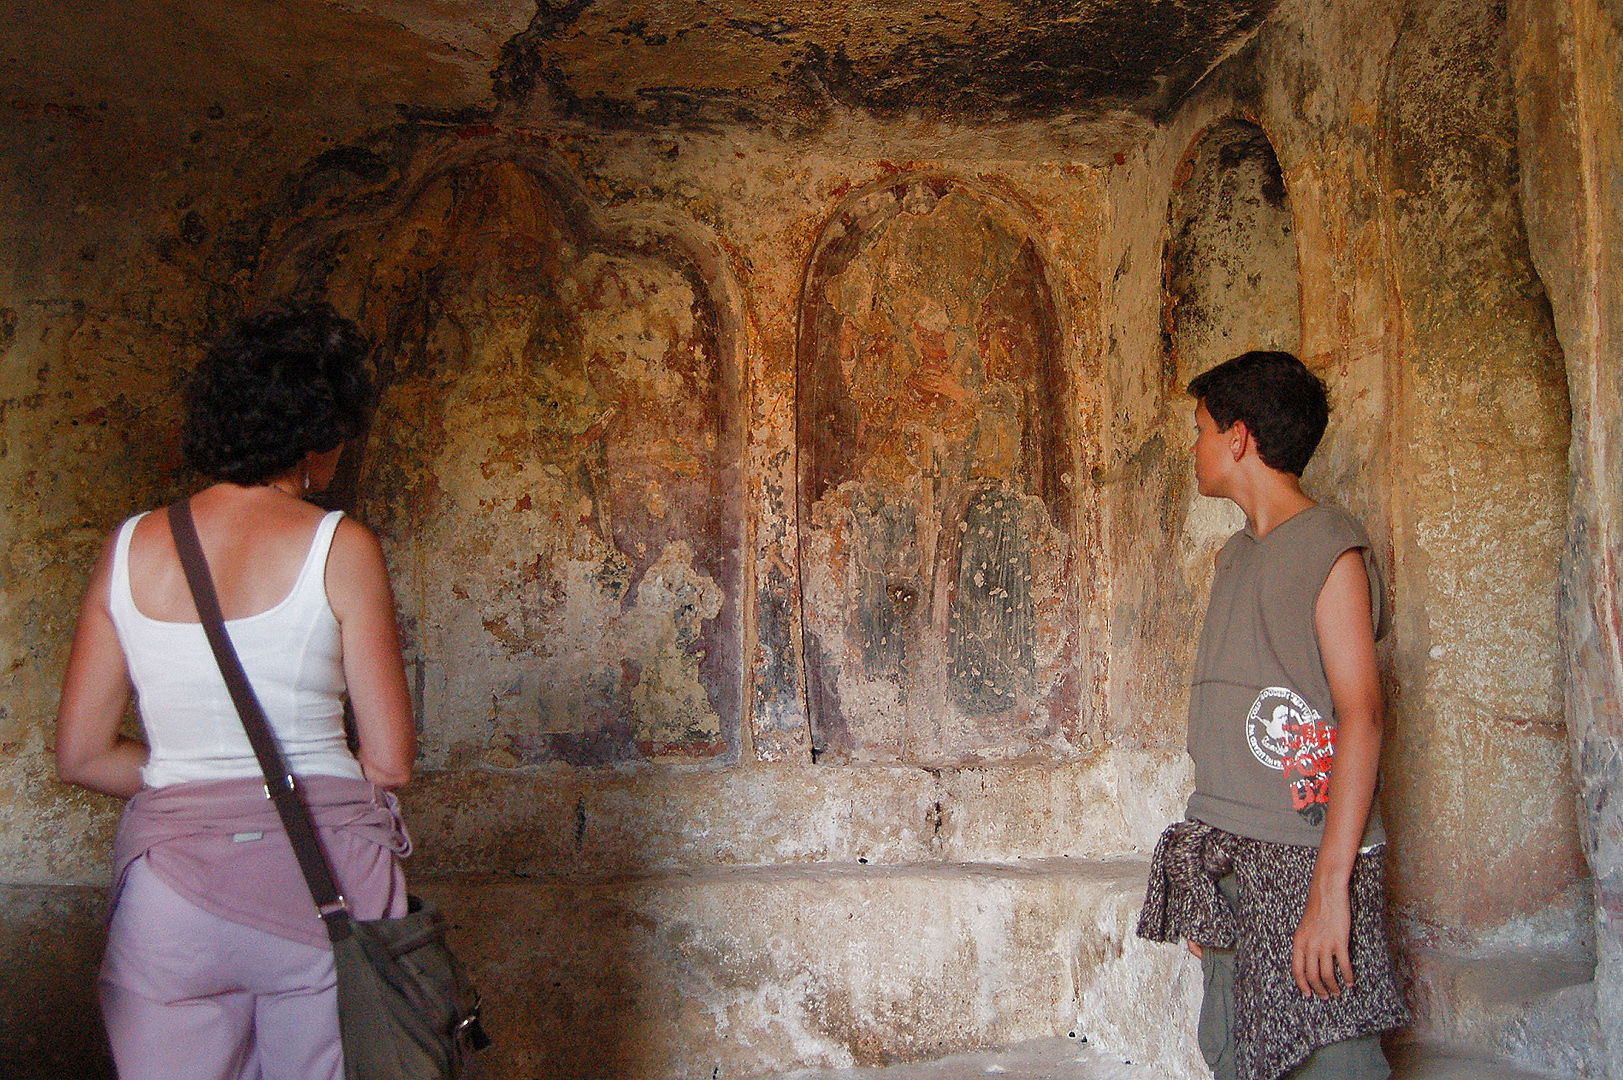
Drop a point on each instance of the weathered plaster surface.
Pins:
(1231, 272)
(560, 425)
(937, 533)
(1568, 63)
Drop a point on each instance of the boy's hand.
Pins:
(1320, 946)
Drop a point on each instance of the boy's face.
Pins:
(1211, 452)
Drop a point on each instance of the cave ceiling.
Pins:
(636, 62)
(991, 60)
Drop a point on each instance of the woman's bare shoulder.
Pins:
(356, 574)
(354, 540)
(150, 527)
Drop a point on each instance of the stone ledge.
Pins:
(759, 971)
(1121, 871)
(1534, 1010)
(633, 819)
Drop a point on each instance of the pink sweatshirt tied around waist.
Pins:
(220, 844)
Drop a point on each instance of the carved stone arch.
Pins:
(554, 467)
(937, 459)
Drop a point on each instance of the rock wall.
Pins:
(805, 502)
(1489, 840)
(1568, 64)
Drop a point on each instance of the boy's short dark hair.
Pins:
(1283, 405)
(279, 384)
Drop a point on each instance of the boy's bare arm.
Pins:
(1347, 646)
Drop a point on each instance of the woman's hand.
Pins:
(96, 691)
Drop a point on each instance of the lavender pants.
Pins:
(187, 995)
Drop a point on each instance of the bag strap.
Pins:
(280, 786)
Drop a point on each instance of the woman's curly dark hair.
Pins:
(278, 385)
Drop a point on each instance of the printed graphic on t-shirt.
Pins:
(1286, 733)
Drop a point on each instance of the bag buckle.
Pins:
(469, 1031)
(333, 908)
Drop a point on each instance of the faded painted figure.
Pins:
(216, 965)
(935, 528)
(547, 472)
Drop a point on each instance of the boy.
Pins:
(1275, 879)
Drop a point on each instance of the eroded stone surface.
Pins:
(1537, 1010)
(1569, 81)
(623, 687)
(756, 973)
(1475, 566)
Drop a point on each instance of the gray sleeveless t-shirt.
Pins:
(1261, 722)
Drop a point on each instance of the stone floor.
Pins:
(1070, 1059)
(1039, 1059)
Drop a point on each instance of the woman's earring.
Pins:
(307, 479)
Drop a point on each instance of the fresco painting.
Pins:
(546, 469)
(936, 533)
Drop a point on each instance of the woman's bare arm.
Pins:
(1347, 647)
(358, 590)
(95, 693)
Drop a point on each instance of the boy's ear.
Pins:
(1239, 437)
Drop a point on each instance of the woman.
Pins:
(217, 966)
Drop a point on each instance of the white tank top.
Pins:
(294, 661)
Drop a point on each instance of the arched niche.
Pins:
(1231, 285)
(936, 523)
(1231, 274)
(553, 465)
